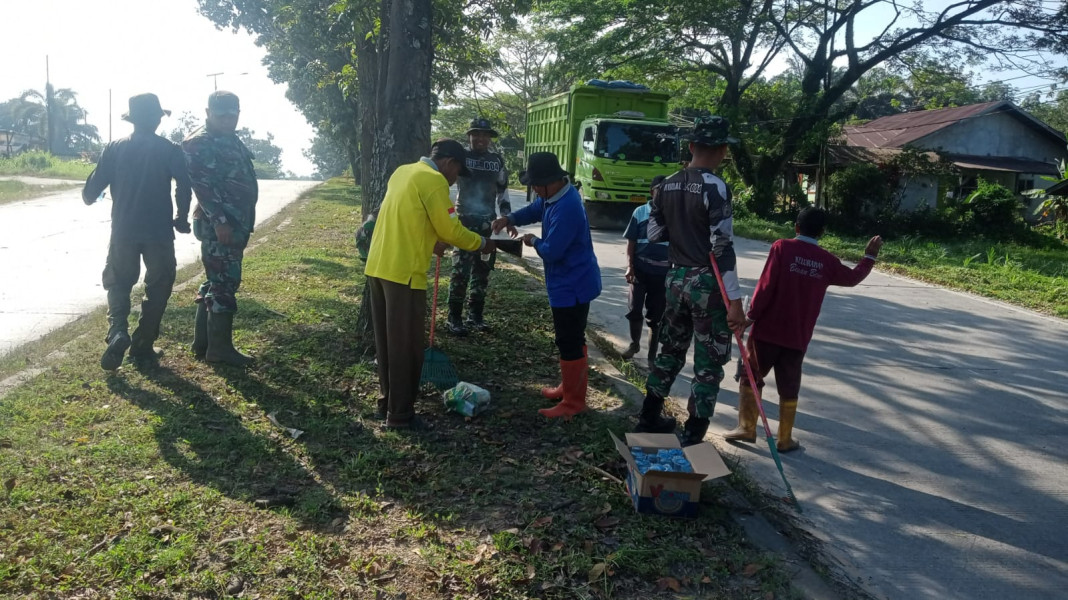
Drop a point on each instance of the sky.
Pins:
(136, 46)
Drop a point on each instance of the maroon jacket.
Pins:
(788, 297)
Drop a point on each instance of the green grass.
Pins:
(14, 191)
(173, 482)
(1028, 276)
(43, 164)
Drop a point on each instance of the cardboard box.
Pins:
(668, 493)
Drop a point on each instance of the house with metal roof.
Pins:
(996, 141)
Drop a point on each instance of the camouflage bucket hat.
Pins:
(481, 124)
(711, 131)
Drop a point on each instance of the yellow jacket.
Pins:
(415, 214)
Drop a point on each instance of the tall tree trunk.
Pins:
(402, 112)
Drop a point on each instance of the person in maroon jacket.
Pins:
(783, 313)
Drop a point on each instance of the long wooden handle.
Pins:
(434, 304)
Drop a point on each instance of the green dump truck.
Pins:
(613, 139)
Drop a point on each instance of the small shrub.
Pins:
(860, 196)
(992, 209)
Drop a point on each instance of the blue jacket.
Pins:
(571, 272)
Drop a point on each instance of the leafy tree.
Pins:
(267, 157)
(66, 132)
(737, 41)
(328, 157)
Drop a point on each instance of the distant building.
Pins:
(997, 141)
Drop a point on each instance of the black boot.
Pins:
(200, 331)
(475, 321)
(654, 343)
(118, 341)
(221, 341)
(455, 321)
(635, 340)
(147, 332)
(695, 429)
(650, 420)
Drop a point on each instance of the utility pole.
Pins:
(109, 115)
(48, 105)
(215, 79)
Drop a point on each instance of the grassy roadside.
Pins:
(43, 164)
(1035, 278)
(14, 191)
(184, 481)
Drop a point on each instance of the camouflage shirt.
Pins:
(224, 181)
(486, 190)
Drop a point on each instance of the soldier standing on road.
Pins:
(139, 169)
(220, 167)
(693, 211)
(481, 195)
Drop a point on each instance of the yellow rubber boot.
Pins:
(787, 412)
(747, 417)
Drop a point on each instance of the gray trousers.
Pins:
(398, 313)
(121, 272)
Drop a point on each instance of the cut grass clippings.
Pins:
(1035, 278)
(15, 191)
(189, 480)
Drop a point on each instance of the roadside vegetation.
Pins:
(999, 258)
(43, 164)
(192, 481)
(14, 191)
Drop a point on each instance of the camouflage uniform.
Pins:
(480, 197)
(694, 308)
(693, 212)
(220, 167)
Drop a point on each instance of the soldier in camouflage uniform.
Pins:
(693, 211)
(224, 181)
(478, 194)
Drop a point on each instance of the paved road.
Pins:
(934, 428)
(52, 251)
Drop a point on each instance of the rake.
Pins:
(437, 369)
(756, 390)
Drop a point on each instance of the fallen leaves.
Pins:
(668, 583)
(752, 569)
(596, 572)
(606, 522)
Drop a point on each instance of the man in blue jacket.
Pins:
(572, 276)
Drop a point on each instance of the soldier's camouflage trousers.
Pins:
(469, 266)
(694, 309)
(222, 267)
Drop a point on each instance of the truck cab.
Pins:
(619, 155)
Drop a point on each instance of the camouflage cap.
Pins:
(224, 103)
(711, 131)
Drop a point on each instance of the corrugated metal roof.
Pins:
(1002, 163)
(897, 130)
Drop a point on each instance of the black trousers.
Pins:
(570, 326)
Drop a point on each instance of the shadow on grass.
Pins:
(211, 445)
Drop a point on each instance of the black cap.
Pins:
(446, 148)
(711, 131)
(481, 124)
(543, 168)
(144, 106)
(224, 103)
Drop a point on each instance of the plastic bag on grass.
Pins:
(467, 399)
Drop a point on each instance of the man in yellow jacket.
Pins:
(416, 220)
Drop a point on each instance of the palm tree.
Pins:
(69, 133)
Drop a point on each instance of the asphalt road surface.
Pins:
(934, 432)
(52, 252)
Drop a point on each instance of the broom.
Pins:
(756, 390)
(437, 370)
